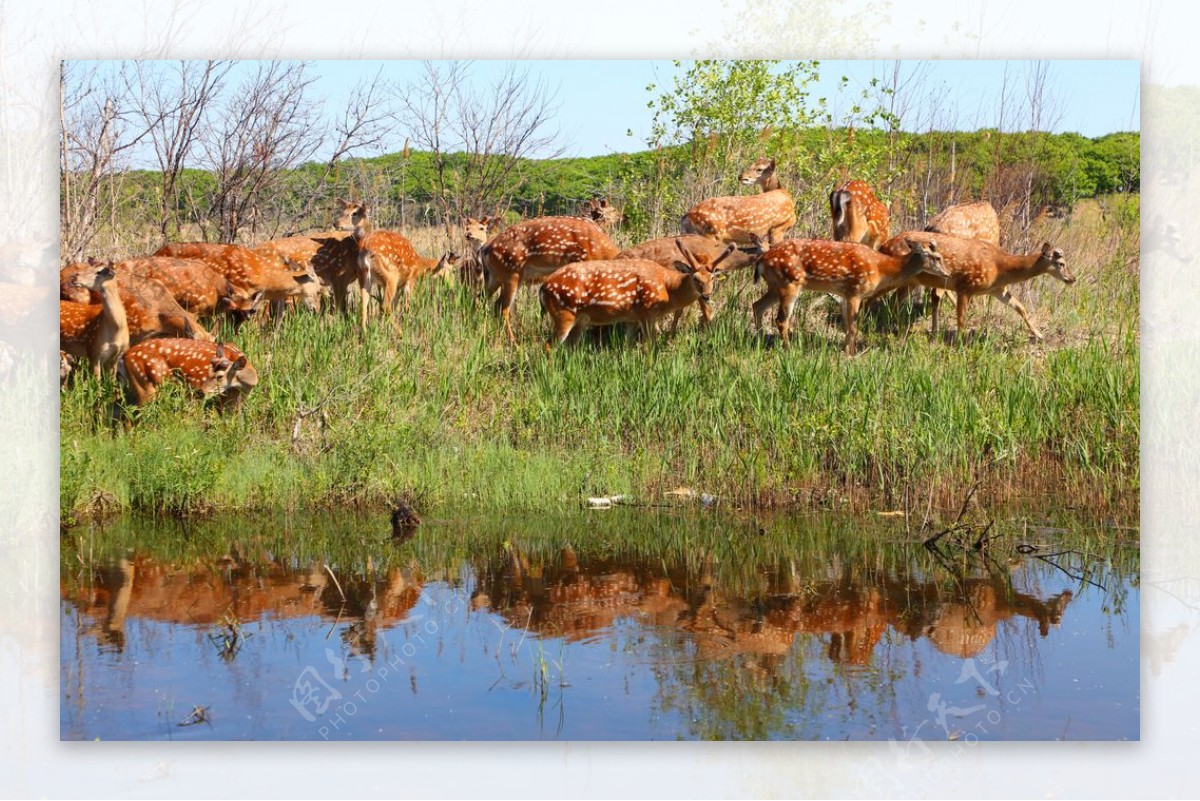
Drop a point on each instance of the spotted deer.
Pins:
(531, 250)
(625, 291)
(666, 252)
(976, 220)
(196, 287)
(251, 272)
(388, 258)
(603, 213)
(858, 215)
(768, 215)
(476, 233)
(150, 308)
(975, 267)
(850, 270)
(98, 332)
(208, 368)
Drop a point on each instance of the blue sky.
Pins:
(598, 102)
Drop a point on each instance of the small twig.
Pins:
(1069, 574)
(336, 583)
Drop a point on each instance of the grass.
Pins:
(438, 406)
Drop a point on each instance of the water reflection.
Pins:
(697, 639)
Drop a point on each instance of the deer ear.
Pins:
(304, 278)
(239, 364)
(1047, 249)
(220, 354)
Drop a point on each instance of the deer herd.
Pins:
(140, 319)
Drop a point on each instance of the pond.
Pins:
(616, 624)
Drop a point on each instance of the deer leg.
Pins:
(849, 314)
(769, 298)
(963, 301)
(787, 302)
(504, 304)
(675, 321)
(935, 299)
(1005, 297)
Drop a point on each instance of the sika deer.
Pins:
(390, 259)
(975, 267)
(475, 232)
(858, 216)
(976, 220)
(599, 211)
(100, 331)
(666, 252)
(739, 219)
(531, 250)
(624, 291)
(250, 272)
(208, 368)
(150, 309)
(850, 270)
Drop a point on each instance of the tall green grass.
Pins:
(437, 404)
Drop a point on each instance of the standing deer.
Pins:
(99, 332)
(531, 250)
(475, 232)
(209, 368)
(976, 220)
(849, 270)
(390, 259)
(669, 251)
(858, 215)
(625, 291)
(150, 309)
(768, 215)
(251, 272)
(975, 267)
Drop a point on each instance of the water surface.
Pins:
(613, 625)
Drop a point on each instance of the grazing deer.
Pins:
(847, 269)
(601, 212)
(625, 291)
(976, 220)
(390, 259)
(531, 250)
(858, 216)
(251, 272)
(666, 252)
(209, 368)
(97, 331)
(975, 267)
(767, 216)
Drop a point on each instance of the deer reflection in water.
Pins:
(575, 602)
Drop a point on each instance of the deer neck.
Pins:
(113, 309)
(426, 266)
(362, 230)
(680, 289)
(1012, 268)
(769, 183)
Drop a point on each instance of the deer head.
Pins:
(760, 172)
(701, 274)
(1053, 262)
(925, 259)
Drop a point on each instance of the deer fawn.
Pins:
(976, 267)
(476, 233)
(625, 291)
(209, 368)
(858, 216)
(99, 332)
(850, 270)
(668, 251)
(976, 220)
(767, 216)
(531, 250)
(390, 259)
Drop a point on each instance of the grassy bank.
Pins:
(439, 406)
